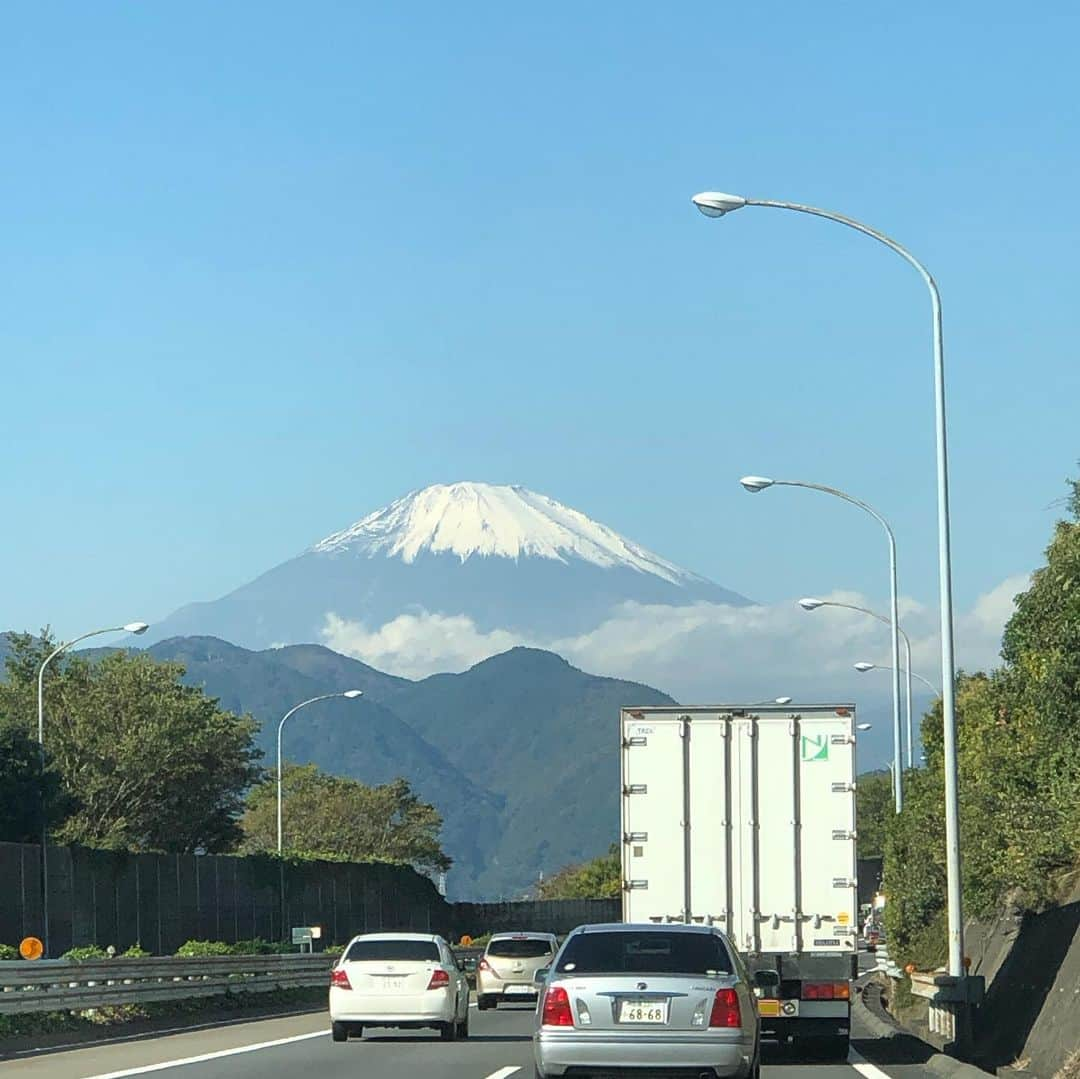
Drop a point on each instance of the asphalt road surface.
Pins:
(300, 1046)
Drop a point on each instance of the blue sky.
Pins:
(266, 269)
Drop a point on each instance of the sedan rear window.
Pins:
(404, 951)
(627, 952)
(519, 949)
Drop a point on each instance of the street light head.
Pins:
(863, 726)
(756, 483)
(716, 203)
(352, 694)
(862, 668)
(136, 627)
(811, 604)
(783, 700)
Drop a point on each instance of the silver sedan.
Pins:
(654, 997)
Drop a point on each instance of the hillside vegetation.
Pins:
(1019, 766)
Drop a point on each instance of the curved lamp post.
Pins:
(754, 484)
(349, 694)
(775, 700)
(130, 627)
(863, 667)
(811, 604)
(716, 204)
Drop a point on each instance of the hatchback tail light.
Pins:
(556, 1010)
(439, 980)
(339, 978)
(725, 1010)
(826, 991)
(486, 967)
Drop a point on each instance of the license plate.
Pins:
(519, 989)
(643, 1012)
(391, 982)
(769, 1008)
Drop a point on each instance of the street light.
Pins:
(716, 204)
(863, 726)
(349, 694)
(130, 627)
(811, 604)
(775, 700)
(862, 668)
(754, 484)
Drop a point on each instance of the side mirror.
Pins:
(541, 976)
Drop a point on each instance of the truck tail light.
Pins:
(826, 991)
(340, 978)
(439, 980)
(725, 1010)
(556, 1010)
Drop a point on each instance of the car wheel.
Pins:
(463, 1026)
(483, 1003)
(356, 1030)
(339, 1032)
(448, 1031)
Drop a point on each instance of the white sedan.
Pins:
(405, 980)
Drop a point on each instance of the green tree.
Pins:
(329, 816)
(600, 878)
(26, 788)
(873, 807)
(1018, 750)
(152, 764)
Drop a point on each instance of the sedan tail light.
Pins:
(439, 980)
(556, 1008)
(725, 1010)
(340, 978)
(826, 991)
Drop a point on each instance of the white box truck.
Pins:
(744, 818)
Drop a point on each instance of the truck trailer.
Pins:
(743, 817)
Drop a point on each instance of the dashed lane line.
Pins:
(146, 1068)
(864, 1067)
(502, 1073)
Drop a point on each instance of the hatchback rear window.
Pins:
(519, 949)
(627, 952)
(404, 951)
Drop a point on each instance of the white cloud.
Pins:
(703, 651)
(415, 645)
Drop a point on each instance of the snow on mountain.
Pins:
(467, 519)
(448, 574)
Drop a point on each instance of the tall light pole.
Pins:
(754, 484)
(131, 627)
(349, 694)
(863, 667)
(716, 204)
(811, 604)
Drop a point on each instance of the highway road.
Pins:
(288, 1048)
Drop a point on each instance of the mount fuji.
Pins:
(503, 557)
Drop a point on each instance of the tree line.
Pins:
(137, 760)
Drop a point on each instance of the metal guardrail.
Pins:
(57, 985)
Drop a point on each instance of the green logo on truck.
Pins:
(815, 747)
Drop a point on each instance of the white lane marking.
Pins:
(864, 1067)
(502, 1073)
(209, 1056)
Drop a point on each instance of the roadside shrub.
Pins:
(136, 951)
(192, 949)
(7, 951)
(88, 953)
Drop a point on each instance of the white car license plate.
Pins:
(390, 981)
(643, 1012)
(519, 989)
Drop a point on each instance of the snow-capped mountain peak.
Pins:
(488, 520)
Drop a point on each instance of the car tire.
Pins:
(356, 1031)
(463, 1027)
(339, 1032)
(448, 1031)
(483, 1002)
